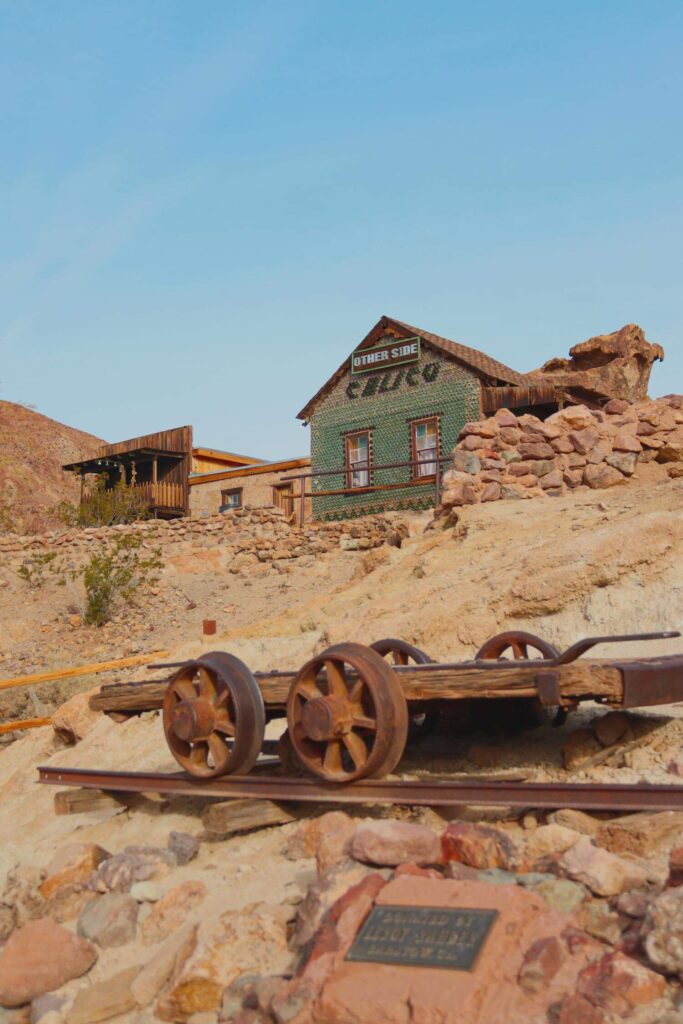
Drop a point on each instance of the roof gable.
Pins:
(481, 364)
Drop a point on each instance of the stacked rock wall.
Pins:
(250, 535)
(509, 456)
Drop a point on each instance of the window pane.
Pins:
(358, 460)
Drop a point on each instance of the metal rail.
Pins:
(541, 795)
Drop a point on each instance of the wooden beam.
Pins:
(26, 723)
(581, 679)
(233, 816)
(79, 801)
(80, 670)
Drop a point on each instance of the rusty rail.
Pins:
(540, 795)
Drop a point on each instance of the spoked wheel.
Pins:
(347, 715)
(208, 702)
(400, 652)
(516, 645)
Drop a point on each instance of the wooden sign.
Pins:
(447, 937)
(381, 357)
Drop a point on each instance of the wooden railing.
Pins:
(162, 494)
(432, 480)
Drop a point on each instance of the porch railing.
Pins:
(162, 494)
(432, 480)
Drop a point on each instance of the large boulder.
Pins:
(41, 957)
(616, 365)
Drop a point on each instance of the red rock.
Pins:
(538, 450)
(505, 418)
(472, 443)
(478, 846)
(616, 406)
(519, 468)
(619, 985)
(551, 480)
(541, 963)
(482, 428)
(602, 476)
(305, 840)
(676, 867)
(332, 989)
(336, 831)
(459, 494)
(388, 843)
(510, 435)
(41, 957)
(491, 492)
(572, 477)
(663, 931)
(624, 441)
(72, 865)
(583, 440)
(604, 873)
(562, 445)
(575, 1009)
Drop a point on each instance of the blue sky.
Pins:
(205, 206)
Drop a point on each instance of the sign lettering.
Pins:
(380, 384)
(394, 353)
(446, 937)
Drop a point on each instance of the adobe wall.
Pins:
(519, 457)
(257, 490)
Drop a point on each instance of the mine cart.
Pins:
(351, 710)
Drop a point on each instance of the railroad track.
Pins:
(425, 792)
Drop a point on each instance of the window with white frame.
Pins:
(358, 459)
(425, 446)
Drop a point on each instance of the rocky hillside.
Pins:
(33, 449)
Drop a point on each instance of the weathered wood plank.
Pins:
(243, 816)
(78, 801)
(420, 683)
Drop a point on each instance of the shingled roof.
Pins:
(478, 361)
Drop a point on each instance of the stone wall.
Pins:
(508, 456)
(234, 540)
(385, 403)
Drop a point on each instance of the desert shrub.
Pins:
(101, 507)
(114, 574)
(35, 569)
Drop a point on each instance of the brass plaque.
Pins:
(423, 936)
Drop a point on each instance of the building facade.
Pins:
(403, 395)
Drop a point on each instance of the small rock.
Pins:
(675, 867)
(145, 892)
(135, 864)
(541, 963)
(172, 910)
(578, 820)
(336, 834)
(663, 931)
(104, 999)
(40, 957)
(602, 476)
(611, 728)
(110, 920)
(562, 894)
(71, 866)
(634, 903)
(478, 846)
(305, 839)
(619, 985)
(167, 961)
(604, 873)
(642, 834)
(548, 839)
(183, 846)
(388, 843)
(597, 919)
(74, 719)
(575, 1009)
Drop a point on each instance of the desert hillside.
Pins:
(33, 449)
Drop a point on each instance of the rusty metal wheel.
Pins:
(401, 652)
(518, 644)
(209, 702)
(347, 715)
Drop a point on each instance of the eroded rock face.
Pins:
(615, 366)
